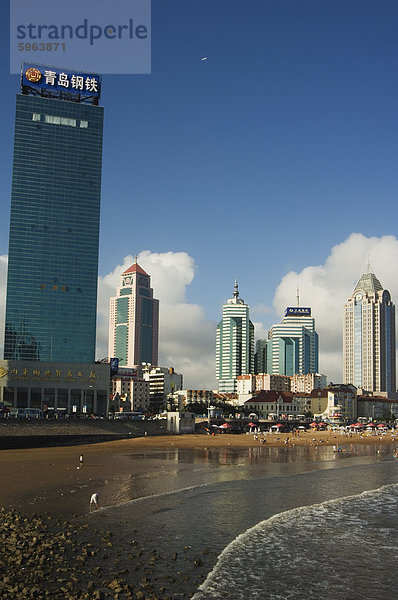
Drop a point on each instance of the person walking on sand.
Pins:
(81, 460)
(94, 501)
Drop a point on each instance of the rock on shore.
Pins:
(48, 558)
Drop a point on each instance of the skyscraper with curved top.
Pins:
(234, 343)
(369, 336)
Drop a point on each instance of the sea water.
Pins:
(341, 549)
(286, 523)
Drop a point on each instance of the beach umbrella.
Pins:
(381, 426)
(313, 424)
(279, 425)
(225, 425)
(251, 424)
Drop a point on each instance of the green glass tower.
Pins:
(54, 225)
(234, 343)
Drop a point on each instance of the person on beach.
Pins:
(94, 501)
(81, 460)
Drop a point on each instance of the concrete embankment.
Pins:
(44, 433)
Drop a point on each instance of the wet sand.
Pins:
(40, 479)
(51, 547)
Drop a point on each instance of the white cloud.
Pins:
(260, 332)
(186, 337)
(325, 288)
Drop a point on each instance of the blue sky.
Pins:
(256, 162)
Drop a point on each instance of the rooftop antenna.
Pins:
(135, 259)
(369, 268)
(236, 291)
(298, 296)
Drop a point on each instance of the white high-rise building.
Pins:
(369, 337)
(234, 343)
(134, 320)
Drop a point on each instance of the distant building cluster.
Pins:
(283, 380)
(50, 330)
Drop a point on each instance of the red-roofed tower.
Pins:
(134, 320)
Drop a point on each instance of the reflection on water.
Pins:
(171, 470)
(207, 497)
(263, 454)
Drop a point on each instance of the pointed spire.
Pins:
(298, 296)
(136, 259)
(235, 298)
(368, 282)
(236, 291)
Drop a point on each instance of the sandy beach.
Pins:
(52, 547)
(32, 476)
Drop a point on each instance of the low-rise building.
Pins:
(130, 391)
(225, 398)
(377, 407)
(181, 398)
(247, 385)
(71, 388)
(304, 402)
(180, 422)
(266, 381)
(308, 382)
(336, 403)
(271, 404)
(162, 382)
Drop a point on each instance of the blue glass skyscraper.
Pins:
(54, 226)
(292, 345)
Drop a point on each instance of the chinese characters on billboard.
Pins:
(63, 83)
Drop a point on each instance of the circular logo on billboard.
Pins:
(33, 75)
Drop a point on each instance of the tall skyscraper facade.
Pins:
(234, 343)
(292, 345)
(134, 320)
(369, 337)
(55, 210)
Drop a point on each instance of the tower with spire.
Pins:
(134, 320)
(234, 343)
(369, 336)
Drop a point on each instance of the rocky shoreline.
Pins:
(44, 557)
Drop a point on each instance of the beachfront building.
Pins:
(180, 422)
(234, 343)
(248, 384)
(130, 391)
(377, 407)
(51, 305)
(335, 404)
(163, 381)
(134, 320)
(273, 405)
(369, 351)
(308, 382)
(292, 345)
(182, 398)
(55, 388)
